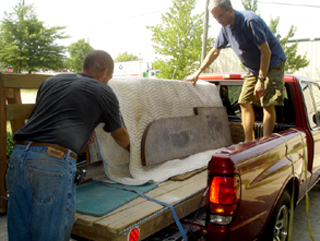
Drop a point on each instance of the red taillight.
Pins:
(224, 195)
(134, 234)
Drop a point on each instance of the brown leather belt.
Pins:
(55, 146)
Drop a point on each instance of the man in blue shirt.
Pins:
(260, 52)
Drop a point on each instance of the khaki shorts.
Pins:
(273, 88)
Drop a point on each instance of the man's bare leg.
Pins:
(269, 119)
(247, 116)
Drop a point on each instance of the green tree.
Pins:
(294, 61)
(3, 66)
(250, 5)
(27, 44)
(125, 56)
(178, 40)
(9, 145)
(77, 53)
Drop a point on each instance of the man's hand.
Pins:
(92, 137)
(259, 90)
(192, 78)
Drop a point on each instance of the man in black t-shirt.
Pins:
(41, 172)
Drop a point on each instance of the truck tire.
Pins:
(278, 225)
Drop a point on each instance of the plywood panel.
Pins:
(176, 138)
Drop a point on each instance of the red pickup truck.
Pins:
(251, 185)
(248, 187)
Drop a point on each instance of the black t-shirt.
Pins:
(68, 108)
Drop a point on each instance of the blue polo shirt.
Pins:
(245, 36)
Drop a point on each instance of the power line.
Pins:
(292, 4)
(125, 19)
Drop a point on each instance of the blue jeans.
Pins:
(41, 195)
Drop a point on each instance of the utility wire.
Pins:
(292, 4)
(125, 19)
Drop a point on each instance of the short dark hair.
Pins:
(97, 60)
(225, 4)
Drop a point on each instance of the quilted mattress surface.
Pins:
(142, 101)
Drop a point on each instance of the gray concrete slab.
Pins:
(3, 227)
(300, 223)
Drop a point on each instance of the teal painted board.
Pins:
(98, 198)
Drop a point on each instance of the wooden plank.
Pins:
(19, 111)
(105, 228)
(3, 148)
(176, 138)
(159, 222)
(86, 150)
(117, 223)
(173, 193)
(187, 175)
(15, 99)
(93, 233)
(15, 112)
(153, 225)
(162, 188)
(23, 81)
(87, 220)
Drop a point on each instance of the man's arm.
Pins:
(211, 56)
(264, 68)
(92, 137)
(121, 136)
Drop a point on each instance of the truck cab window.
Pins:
(285, 114)
(230, 95)
(310, 104)
(316, 95)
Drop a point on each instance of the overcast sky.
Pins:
(120, 25)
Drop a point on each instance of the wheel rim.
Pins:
(281, 224)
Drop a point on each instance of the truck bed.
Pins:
(148, 216)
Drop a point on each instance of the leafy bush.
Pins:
(9, 145)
